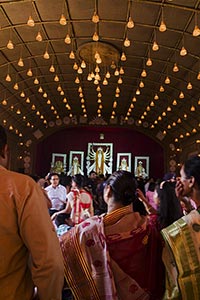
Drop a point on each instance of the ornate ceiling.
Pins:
(100, 62)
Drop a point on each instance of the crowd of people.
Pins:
(96, 237)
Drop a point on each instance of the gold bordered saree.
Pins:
(182, 258)
(90, 271)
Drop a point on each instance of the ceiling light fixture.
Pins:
(162, 27)
(30, 22)
(62, 20)
(72, 55)
(123, 57)
(130, 23)
(10, 45)
(20, 62)
(175, 68)
(39, 37)
(67, 39)
(95, 18)
(95, 37)
(127, 42)
(196, 31)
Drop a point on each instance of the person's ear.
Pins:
(108, 191)
(191, 181)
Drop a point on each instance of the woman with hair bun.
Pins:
(116, 255)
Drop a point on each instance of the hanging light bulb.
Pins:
(4, 102)
(10, 45)
(20, 62)
(16, 87)
(79, 71)
(141, 85)
(36, 81)
(155, 46)
(77, 80)
(52, 68)
(167, 80)
(192, 108)
(75, 66)
(196, 31)
(181, 95)
(99, 60)
(63, 20)
(161, 89)
(22, 94)
(198, 76)
(120, 81)
(149, 62)
(130, 23)
(97, 70)
(83, 64)
(116, 73)
(28, 100)
(175, 68)
(68, 39)
(121, 71)
(29, 72)
(30, 22)
(152, 103)
(123, 57)
(189, 86)
(137, 92)
(89, 77)
(107, 74)
(127, 42)
(95, 18)
(174, 102)
(8, 78)
(38, 37)
(144, 73)
(72, 55)
(183, 51)
(40, 90)
(105, 81)
(95, 37)
(169, 108)
(56, 78)
(156, 97)
(46, 55)
(162, 27)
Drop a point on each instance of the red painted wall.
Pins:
(77, 139)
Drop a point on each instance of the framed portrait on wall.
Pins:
(124, 161)
(99, 158)
(58, 163)
(76, 159)
(141, 166)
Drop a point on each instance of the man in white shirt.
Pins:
(57, 193)
(30, 256)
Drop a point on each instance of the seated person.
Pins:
(116, 255)
(79, 202)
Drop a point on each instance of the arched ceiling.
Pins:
(46, 93)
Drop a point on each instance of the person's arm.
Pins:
(66, 210)
(150, 209)
(38, 234)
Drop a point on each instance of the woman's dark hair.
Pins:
(79, 180)
(169, 207)
(124, 185)
(152, 186)
(192, 168)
